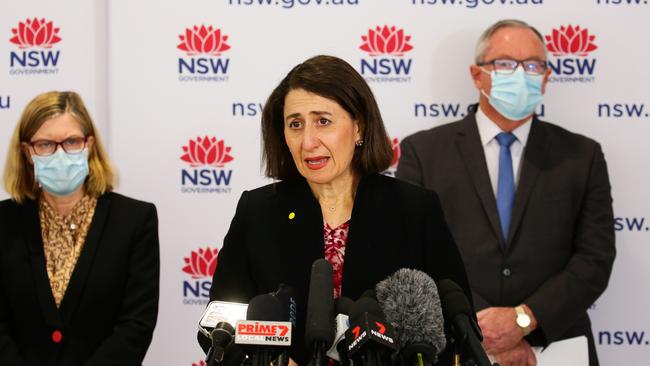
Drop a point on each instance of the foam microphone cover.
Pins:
(284, 294)
(412, 305)
(454, 300)
(265, 307)
(319, 326)
(457, 311)
(366, 305)
(342, 305)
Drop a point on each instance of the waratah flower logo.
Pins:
(201, 263)
(200, 363)
(396, 152)
(570, 40)
(35, 33)
(203, 40)
(207, 151)
(386, 41)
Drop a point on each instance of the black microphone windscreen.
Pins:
(454, 300)
(319, 326)
(371, 293)
(343, 305)
(412, 305)
(264, 307)
(285, 295)
(366, 305)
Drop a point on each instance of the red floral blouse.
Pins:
(335, 241)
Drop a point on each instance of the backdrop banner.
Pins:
(177, 89)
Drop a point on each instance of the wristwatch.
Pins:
(523, 320)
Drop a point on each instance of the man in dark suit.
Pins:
(528, 202)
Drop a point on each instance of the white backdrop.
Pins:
(153, 95)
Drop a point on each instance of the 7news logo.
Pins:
(386, 48)
(35, 39)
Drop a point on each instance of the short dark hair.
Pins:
(332, 78)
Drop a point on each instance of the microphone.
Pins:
(410, 300)
(262, 334)
(219, 315)
(221, 311)
(338, 350)
(284, 294)
(459, 315)
(319, 330)
(221, 337)
(370, 339)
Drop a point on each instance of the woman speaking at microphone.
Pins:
(79, 265)
(325, 142)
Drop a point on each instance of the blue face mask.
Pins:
(61, 173)
(515, 96)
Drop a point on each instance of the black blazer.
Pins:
(394, 225)
(109, 310)
(558, 256)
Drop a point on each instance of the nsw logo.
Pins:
(572, 47)
(200, 267)
(394, 143)
(207, 158)
(204, 47)
(35, 40)
(200, 363)
(386, 47)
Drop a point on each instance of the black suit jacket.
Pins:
(559, 252)
(109, 310)
(394, 225)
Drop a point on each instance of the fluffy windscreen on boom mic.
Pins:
(319, 326)
(411, 303)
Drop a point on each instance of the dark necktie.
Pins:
(506, 184)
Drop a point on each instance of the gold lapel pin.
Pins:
(292, 215)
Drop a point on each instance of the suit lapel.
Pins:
(471, 149)
(84, 263)
(536, 149)
(303, 232)
(32, 234)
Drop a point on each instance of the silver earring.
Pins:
(358, 143)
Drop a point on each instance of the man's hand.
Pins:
(520, 355)
(500, 329)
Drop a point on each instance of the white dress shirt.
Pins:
(488, 131)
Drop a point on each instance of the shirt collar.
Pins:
(488, 130)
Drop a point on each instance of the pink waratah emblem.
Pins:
(207, 151)
(396, 152)
(203, 40)
(570, 40)
(201, 263)
(35, 33)
(386, 41)
(201, 363)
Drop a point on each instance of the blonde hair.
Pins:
(19, 173)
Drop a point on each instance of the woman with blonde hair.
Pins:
(79, 264)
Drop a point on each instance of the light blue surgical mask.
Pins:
(61, 173)
(515, 96)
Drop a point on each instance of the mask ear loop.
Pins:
(489, 73)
